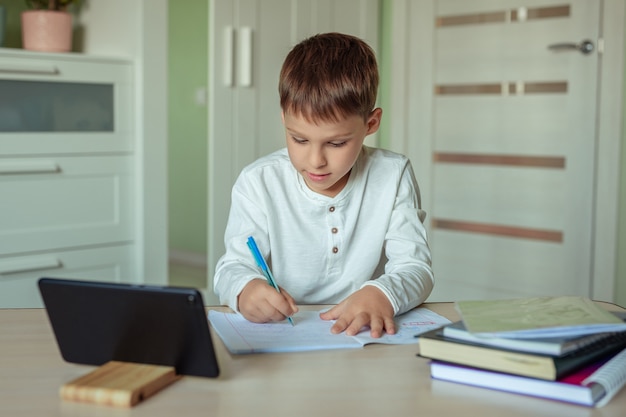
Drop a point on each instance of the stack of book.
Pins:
(560, 348)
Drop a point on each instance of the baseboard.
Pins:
(195, 259)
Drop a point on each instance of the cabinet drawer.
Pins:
(19, 274)
(66, 104)
(62, 202)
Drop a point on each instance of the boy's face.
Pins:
(324, 152)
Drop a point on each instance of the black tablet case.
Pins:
(96, 322)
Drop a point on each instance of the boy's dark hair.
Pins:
(328, 77)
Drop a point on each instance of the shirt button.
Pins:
(331, 208)
(334, 230)
(335, 249)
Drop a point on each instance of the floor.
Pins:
(192, 275)
(186, 275)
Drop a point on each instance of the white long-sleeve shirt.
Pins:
(322, 249)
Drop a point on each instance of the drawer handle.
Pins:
(51, 70)
(29, 264)
(29, 167)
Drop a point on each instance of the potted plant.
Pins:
(47, 25)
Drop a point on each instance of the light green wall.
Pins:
(13, 29)
(187, 155)
(187, 122)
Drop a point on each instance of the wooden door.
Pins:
(509, 175)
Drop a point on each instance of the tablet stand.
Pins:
(120, 384)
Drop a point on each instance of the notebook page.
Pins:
(309, 333)
(312, 333)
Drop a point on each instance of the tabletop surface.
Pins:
(377, 380)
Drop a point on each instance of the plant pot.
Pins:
(46, 31)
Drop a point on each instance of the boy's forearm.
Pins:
(406, 288)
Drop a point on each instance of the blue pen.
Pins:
(266, 270)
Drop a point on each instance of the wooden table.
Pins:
(378, 380)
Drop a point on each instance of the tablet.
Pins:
(96, 322)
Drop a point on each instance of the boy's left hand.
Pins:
(366, 307)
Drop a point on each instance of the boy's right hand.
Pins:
(259, 302)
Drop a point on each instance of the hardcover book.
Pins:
(592, 385)
(556, 346)
(435, 345)
(538, 317)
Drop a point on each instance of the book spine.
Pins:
(567, 364)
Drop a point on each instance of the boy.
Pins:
(338, 222)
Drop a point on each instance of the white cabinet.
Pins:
(19, 273)
(80, 200)
(65, 104)
(67, 172)
(249, 40)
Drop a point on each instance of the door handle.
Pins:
(585, 47)
(245, 57)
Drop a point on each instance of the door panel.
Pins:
(488, 267)
(525, 198)
(476, 128)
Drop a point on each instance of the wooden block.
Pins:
(120, 384)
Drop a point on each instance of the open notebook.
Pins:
(312, 333)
